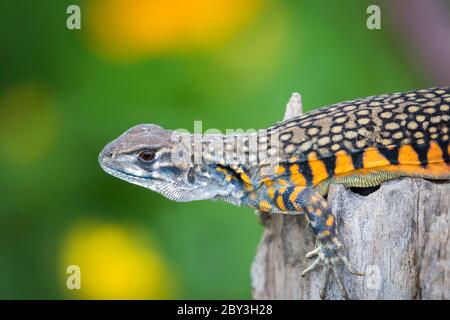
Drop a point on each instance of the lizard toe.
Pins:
(329, 255)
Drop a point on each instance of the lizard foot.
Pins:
(329, 253)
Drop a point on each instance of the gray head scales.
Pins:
(143, 155)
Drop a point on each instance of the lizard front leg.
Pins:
(329, 251)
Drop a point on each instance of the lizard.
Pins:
(288, 167)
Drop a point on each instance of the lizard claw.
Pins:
(329, 254)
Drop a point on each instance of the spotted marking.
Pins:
(271, 192)
(293, 197)
(324, 233)
(330, 220)
(265, 206)
(336, 139)
(280, 203)
(412, 125)
(279, 170)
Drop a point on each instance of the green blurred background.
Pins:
(232, 64)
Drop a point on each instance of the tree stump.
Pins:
(398, 235)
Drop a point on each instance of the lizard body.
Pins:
(288, 167)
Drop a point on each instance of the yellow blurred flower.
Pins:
(28, 123)
(133, 28)
(116, 263)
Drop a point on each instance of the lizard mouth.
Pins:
(156, 184)
(129, 177)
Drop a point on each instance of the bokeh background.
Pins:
(230, 63)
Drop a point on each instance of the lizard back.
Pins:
(403, 133)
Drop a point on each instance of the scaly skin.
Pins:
(288, 167)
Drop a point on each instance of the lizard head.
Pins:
(144, 155)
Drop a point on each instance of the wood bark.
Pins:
(398, 235)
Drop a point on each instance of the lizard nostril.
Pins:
(106, 155)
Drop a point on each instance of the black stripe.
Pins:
(275, 196)
(330, 164)
(289, 206)
(444, 147)
(391, 155)
(357, 159)
(305, 170)
(422, 152)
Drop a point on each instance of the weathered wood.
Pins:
(399, 235)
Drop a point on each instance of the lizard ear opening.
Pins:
(191, 176)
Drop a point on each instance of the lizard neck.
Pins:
(233, 163)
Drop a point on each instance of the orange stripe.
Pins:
(293, 197)
(265, 206)
(325, 233)
(223, 170)
(267, 181)
(228, 177)
(271, 192)
(439, 170)
(344, 163)
(280, 203)
(407, 155)
(373, 158)
(248, 187)
(279, 170)
(296, 177)
(318, 169)
(435, 153)
(245, 178)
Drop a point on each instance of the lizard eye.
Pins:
(147, 155)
